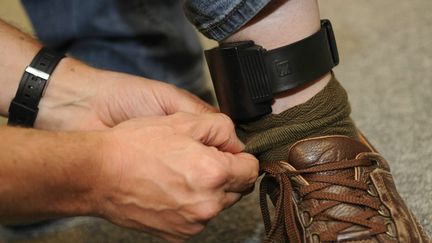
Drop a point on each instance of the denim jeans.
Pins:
(148, 38)
(219, 19)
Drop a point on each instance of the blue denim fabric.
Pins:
(219, 19)
(149, 38)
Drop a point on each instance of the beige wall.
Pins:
(12, 12)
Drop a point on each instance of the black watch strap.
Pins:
(246, 76)
(24, 107)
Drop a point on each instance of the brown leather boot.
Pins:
(335, 189)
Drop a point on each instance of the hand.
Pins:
(170, 175)
(80, 97)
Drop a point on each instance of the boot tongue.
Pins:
(316, 151)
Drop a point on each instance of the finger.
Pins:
(214, 129)
(158, 230)
(179, 100)
(230, 199)
(242, 172)
(172, 238)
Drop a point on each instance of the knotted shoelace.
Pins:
(313, 189)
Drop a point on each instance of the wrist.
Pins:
(50, 181)
(80, 176)
(105, 173)
(72, 86)
(19, 50)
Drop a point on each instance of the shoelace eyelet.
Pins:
(309, 221)
(371, 191)
(296, 195)
(374, 162)
(315, 238)
(383, 211)
(391, 231)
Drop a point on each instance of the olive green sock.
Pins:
(327, 113)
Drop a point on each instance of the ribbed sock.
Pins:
(327, 113)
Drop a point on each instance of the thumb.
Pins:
(180, 100)
(211, 129)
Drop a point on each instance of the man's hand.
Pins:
(170, 175)
(80, 97)
(166, 175)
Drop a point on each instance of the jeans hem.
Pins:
(234, 20)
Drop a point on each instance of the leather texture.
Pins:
(391, 213)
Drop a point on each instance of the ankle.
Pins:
(326, 113)
(281, 23)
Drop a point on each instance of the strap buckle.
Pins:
(38, 73)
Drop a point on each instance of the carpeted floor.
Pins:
(386, 66)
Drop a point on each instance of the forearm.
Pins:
(72, 83)
(16, 50)
(46, 174)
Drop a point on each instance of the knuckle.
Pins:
(250, 157)
(253, 166)
(255, 173)
(208, 212)
(226, 121)
(181, 116)
(183, 121)
(255, 169)
(198, 229)
(192, 230)
(214, 177)
(253, 160)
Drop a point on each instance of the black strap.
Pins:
(304, 61)
(246, 76)
(24, 107)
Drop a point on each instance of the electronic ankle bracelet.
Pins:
(24, 107)
(246, 76)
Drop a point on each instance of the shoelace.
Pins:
(285, 216)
